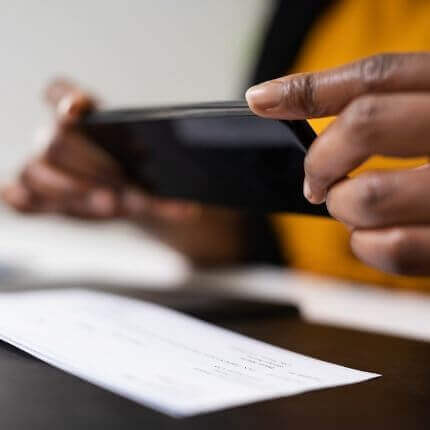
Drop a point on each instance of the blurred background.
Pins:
(128, 52)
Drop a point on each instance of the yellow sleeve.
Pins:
(349, 30)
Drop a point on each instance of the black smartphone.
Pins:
(213, 153)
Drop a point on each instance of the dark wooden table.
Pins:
(36, 396)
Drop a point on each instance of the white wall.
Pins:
(130, 52)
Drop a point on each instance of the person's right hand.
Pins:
(72, 176)
(382, 105)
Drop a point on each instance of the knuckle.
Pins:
(361, 118)
(302, 94)
(398, 250)
(371, 192)
(376, 70)
(361, 112)
(359, 201)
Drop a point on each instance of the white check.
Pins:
(155, 356)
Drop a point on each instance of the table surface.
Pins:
(37, 396)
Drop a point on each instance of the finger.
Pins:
(133, 202)
(309, 95)
(49, 182)
(402, 250)
(21, 198)
(71, 151)
(382, 198)
(99, 203)
(68, 100)
(392, 125)
(136, 203)
(18, 197)
(53, 190)
(95, 204)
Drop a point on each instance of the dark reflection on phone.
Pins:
(242, 162)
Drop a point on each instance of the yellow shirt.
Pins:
(349, 30)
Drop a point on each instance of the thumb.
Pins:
(326, 93)
(68, 100)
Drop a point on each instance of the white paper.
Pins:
(158, 357)
(53, 249)
(329, 301)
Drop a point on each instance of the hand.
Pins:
(74, 177)
(383, 108)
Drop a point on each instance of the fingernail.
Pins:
(307, 190)
(265, 96)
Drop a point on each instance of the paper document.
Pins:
(156, 356)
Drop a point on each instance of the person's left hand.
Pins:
(383, 108)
